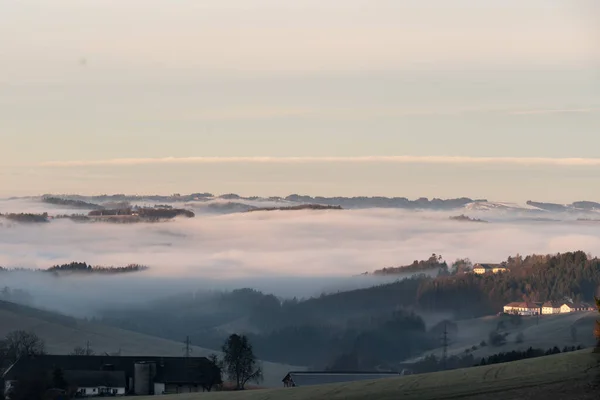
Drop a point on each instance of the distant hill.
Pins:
(383, 202)
(464, 218)
(548, 206)
(26, 218)
(345, 202)
(62, 334)
(433, 264)
(71, 203)
(298, 208)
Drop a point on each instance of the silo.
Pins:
(143, 381)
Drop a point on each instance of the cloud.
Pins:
(286, 253)
(556, 111)
(465, 160)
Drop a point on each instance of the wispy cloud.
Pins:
(556, 111)
(547, 161)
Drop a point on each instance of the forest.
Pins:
(433, 364)
(373, 327)
(71, 203)
(26, 217)
(81, 268)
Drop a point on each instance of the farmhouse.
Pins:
(485, 268)
(97, 383)
(551, 307)
(523, 308)
(548, 308)
(573, 307)
(313, 378)
(90, 376)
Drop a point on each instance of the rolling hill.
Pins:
(563, 376)
(62, 334)
(559, 330)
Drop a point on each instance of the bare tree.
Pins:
(23, 344)
(82, 351)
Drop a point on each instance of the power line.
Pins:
(445, 344)
(188, 347)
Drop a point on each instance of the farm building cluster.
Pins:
(109, 376)
(481, 269)
(547, 308)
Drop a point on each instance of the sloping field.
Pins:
(544, 333)
(562, 376)
(62, 334)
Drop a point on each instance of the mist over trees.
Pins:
(365, 328)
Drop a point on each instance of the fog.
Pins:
(287, 253)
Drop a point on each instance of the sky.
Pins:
(382, 97)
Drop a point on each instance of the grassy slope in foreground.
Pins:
(62, 334)
(510, 380)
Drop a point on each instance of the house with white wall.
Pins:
(523, 308)
(97, 383)
(481, 269)
(551, 307)
(101, 376)
(573, 307)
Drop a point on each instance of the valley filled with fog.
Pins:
(302, 271)
(300, 253)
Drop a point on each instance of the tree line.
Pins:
(434, 363)
(366, 322)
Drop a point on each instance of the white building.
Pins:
(551, 307)
(573, 307)
(97, 383)
(522, 308)
(485, 268)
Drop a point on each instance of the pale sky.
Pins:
(98, 80)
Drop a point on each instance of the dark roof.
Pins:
(168, 369)
(311, 378)
(553, 304)
(111, 379)
(489, 266)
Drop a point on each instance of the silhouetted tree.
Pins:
(22, 344)
(240, 361)
(496, 339)
(82, 351)
(213, 373)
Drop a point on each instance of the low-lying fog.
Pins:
(288, 253)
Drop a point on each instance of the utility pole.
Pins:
(445, 344)
(188, 347)
(87, 348)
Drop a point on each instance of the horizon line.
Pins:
(525, 161)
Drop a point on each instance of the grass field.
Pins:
(563, 376)
(545, 333)
(62, 334)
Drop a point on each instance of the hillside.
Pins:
(550, 330)
(62, 334)
(563, 376)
